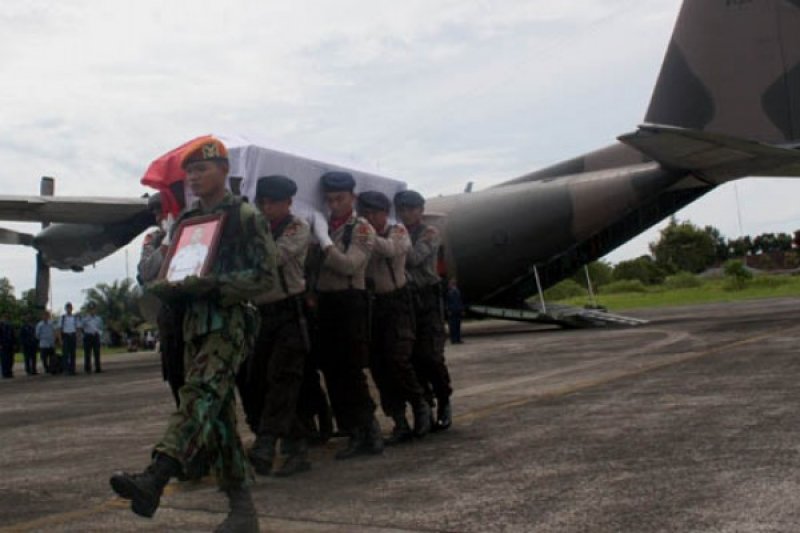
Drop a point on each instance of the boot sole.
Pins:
(128, 490)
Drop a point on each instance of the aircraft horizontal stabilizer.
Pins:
(713, 157)
(8, 236)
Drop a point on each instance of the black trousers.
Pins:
(29, 352)
(428, 355)
(91, 346)
(170, 330)
(270, 380)
(391, 346)
(343, 354)
(7, 361)
(49, 363)
(70, 341)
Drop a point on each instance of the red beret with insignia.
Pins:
(204, 149)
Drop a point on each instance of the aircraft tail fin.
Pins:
(733, 68)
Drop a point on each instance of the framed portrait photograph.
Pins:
(193, 248)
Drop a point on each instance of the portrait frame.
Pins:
(193, 248)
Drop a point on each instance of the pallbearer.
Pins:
(343, 315)
(425, 284)
(392, 338)
(270, 381)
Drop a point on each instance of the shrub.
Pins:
(683, 280)
(642, 268)
(569, 288)
(736, 274)
(625, 285)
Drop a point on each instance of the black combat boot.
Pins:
(144, 490)
(298, 458)
(401, 432)
(444, 415)
(422, 419)
(262, 454)
(325, 417)
(242, 517)
(355, 444)
(374, 438)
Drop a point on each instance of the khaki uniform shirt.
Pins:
(386, 267)
(152, 257)
(292, 246)
(344, 269)
(421, 260)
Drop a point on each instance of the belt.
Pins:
(397, 294)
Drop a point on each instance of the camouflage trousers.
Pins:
(428, 354)
(204, 426)
(391, 344)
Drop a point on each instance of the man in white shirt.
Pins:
(92, 327)
(46, 334)
(69, 337)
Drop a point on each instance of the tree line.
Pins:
(685, 248)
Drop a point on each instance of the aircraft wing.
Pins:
(71, 210)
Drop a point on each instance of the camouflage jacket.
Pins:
(421, 260)
(386, 269)
(244, 265)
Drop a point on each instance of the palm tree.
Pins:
(117, 306)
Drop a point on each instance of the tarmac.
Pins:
(689, 423)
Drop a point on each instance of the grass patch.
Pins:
(709, 291)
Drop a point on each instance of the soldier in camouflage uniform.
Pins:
(425, 284)
(392, 338)
(270, 382)
(344, 316)
(218, 329)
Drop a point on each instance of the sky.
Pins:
(434, 93)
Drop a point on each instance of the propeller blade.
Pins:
(8, 236)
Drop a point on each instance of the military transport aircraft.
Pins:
(726, 105)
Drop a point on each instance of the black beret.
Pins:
(409, 199)
(374, 200)
(275, 188)
(336, 181)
